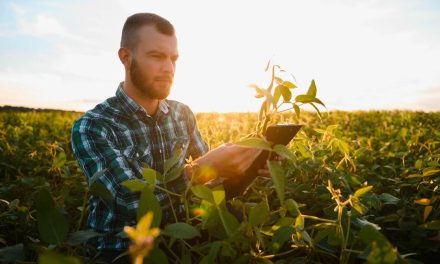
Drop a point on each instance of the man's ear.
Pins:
(125, 57)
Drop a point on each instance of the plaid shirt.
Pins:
(119, 135)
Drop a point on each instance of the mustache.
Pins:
(164, 78)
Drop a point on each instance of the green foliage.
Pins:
(52, 224)
(148, 202)
(382, 205)
(271, 106)
(181, 231)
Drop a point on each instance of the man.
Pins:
(140, 126)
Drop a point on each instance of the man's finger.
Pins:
(263, 173)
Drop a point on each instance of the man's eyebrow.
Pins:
(157, 52)
(161, 53)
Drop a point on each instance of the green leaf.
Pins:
(317, 110)
(284, 152)
(277, 174)
(169, 163)
(173, 174)
(288, 84)
(156, 256)
(429, 172)
(363, 222)
(358, 206)
(213, 252)
(150, 175)
(299, 223)
(50, 257)
(343, 147)
(284, 221)
(306, 237)
(433, 225)
(304, 150)
(292, 207)
(259, 214)
(260, 92)
(304, 98)
(81, 236)
(362, 191)
(134, 185)
(381, 249)
(387, 198)
(203, 192)
(260, 237)
(312, 89)
(258, 143)
(181, 231)
(297, 110)
(286, 93)
(218, 193)
(419, 164)
(148, 202)
(210, 216)
(60, 159)
(229, 222)
(280, 237)
(52, 224)
(186, 259)
(98, 189)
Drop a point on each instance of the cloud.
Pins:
(44, 25)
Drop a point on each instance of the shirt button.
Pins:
(137, 155)
(160, 151)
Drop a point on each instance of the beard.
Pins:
(146, 85)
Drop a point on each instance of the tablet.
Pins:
(276, 134)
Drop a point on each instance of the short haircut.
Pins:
(134, 22)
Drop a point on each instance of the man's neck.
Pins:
(150, 105)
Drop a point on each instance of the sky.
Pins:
(362, 54)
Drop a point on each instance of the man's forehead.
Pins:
(150, 38)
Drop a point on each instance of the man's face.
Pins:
(153, 63)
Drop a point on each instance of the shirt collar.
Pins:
(133, 108)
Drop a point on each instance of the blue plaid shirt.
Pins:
(119, 135)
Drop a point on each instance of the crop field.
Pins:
(354, 187)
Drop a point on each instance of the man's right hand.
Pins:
(228, 160)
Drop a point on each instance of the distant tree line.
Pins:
(10, 108)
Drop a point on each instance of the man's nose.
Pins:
(169, 66)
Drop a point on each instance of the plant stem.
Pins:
(167, 191)
(285, 110)
(191, 248)
(81, 218)
(279, 254)
(171, 205)
(354, 251)
(185, 196)
(170, 251)
(319, 219)
(348, 233)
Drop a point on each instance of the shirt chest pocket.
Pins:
(138, 157)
